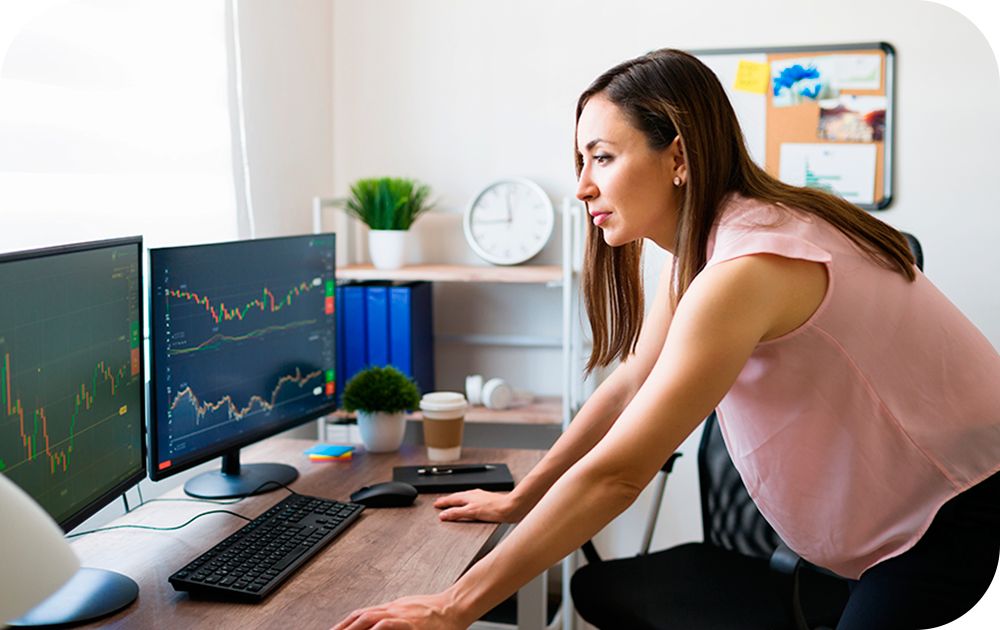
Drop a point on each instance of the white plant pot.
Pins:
(386, 248)
(381, 432)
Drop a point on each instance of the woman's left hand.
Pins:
(422, 612)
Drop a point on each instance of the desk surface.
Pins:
(385, 554)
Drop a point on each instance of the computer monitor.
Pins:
(72, 396)
(242, 339)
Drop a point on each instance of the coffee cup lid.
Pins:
(442, 401)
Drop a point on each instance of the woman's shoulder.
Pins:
(740, 211)
(746, 225)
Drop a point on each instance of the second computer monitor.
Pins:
(242, 341)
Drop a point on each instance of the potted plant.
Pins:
(388, 206)
(381, 396)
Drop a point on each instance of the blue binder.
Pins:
(377, 309)
(411, 332)
(341, 348)
(355, 344)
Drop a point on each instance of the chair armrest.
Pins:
(784, 560)
(668, 466)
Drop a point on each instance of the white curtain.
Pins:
(114, 121)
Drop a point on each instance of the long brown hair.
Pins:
(664, 94)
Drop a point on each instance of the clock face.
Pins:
(509, 221)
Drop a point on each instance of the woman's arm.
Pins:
(589, 425)
(727, 310)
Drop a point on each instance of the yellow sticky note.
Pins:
(752, 76)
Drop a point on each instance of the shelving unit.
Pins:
(557, 410)
(547, 414)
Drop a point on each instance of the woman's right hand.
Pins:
(480, 505)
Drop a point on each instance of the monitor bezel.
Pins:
(119, 489)
(220, 448)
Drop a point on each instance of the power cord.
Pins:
(193, 518)
(158, 529)
(226, 501)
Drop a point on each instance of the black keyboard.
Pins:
(261, 555)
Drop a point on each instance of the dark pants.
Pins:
(941, 577)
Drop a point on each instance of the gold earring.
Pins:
(677, 181)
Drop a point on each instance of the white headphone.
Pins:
(494, 394)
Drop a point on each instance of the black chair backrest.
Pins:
(918, 251)
(728, 515)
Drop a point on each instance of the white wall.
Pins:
(288, 91)
(458, 93)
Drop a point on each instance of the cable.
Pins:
(228, 501)
(192, 519)
(160, 529)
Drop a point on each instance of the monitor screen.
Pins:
(243, 346)
(71, 375)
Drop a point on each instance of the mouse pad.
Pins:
(497, 478)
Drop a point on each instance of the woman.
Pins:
(860, 407)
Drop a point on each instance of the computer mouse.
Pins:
(387, 494)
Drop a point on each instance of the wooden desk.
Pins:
(385, 554)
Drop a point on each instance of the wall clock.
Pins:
(509, 221)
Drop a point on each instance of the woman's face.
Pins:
(627, 185)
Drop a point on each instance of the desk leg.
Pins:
(531, 606)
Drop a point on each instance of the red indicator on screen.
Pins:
(330, 388)
(329, 306)
(165, 465)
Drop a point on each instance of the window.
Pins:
(114, 121)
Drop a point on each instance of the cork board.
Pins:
(818, 116)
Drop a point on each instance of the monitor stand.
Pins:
(89, 594)
(234, 480)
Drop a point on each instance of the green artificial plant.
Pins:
(387, 203)
(381, 389)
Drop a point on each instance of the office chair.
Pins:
(741, 576)
(915, 247)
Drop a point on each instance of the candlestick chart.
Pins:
(243, 338)
(70, 375)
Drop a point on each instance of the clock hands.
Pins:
(508, 213)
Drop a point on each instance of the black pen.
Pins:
(447, 470)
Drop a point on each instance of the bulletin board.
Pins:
(818, 116)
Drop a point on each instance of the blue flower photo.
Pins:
(799, 81)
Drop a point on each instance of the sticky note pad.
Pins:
(329, 450)
(752, 76)
(327, 458)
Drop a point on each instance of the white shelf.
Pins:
(544, 410)
(523, 274)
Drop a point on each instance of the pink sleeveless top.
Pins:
(851, 431)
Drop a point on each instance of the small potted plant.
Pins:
(388, 206)
(381, 396)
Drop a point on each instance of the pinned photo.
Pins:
(800, 80)
(852, 118)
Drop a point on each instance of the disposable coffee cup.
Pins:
(444, 419)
